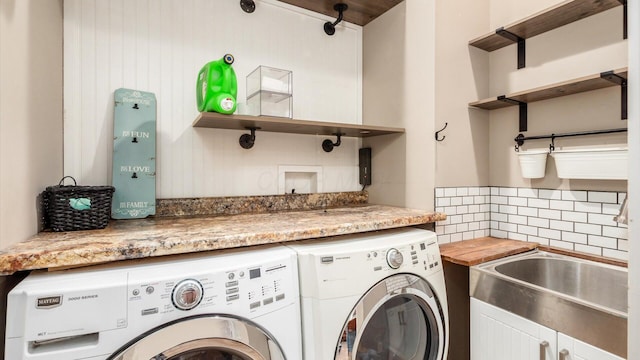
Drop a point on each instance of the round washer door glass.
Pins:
(203, 338)
(399, 318)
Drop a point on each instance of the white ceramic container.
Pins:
(533, 163)
(594, 163)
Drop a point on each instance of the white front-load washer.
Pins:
(383, 292)
(238, 304)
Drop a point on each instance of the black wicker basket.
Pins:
(75, 207)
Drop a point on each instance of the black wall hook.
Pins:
(328, 145)
(330, 28)
(441, 130)
(248, 6)
(247, 141)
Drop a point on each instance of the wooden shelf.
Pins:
(586, 83)
(546, 20)
(290, 126)
(360, 12)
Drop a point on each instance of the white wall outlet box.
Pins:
(299, 179)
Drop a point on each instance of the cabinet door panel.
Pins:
(497, 334)
(578, 350)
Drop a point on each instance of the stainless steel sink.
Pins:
(581, 298)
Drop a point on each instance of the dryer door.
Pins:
(203, 338)
(399, 318)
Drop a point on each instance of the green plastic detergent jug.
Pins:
(217, 86)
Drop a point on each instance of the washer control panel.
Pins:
(255, 288)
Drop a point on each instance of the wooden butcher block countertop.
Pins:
(480, 250)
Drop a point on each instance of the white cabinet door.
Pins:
(572, 349)
(497, 334)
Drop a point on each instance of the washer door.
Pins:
(203, 338)
(399, 318)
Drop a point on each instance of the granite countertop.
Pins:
(134, 239)
(480, 250)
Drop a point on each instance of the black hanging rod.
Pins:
(520, 139)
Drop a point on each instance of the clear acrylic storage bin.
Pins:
(270, 92)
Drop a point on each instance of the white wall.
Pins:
(399, 90)
(30, 111)
(160, 46)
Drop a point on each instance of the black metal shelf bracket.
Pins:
(248, 6)
(517, 39)
(247, 141)
(328, 145)
(624, 18)
(520, 139)
(330, 27)
(523, 110)
(619, 80)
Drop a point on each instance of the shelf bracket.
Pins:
(624, 18)
(619, 80)
(523, 110)
(247, 141)
(521, 45)
(328, 145)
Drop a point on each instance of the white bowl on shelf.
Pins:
(592, 163)
(533, 163)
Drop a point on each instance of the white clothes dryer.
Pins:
(383, 292)
(238, 304)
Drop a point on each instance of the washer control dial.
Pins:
(187, 294)
(394, 258)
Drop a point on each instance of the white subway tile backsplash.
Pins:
(574, 216)
(561, 205)
(539, 240)
(550, 194)
(603, 197)
(517, 201)
(603, 242)
(456, 219)
(574, 195)
(517, 236)
(570, 219)
(527, 193)
(550, 214)
(443, 202)
(517, 219)
(550, 233)
(616, 254)
(611, 209)
(449, 192)
(561, 244)
(602, 219)
(500, 200)
(538, 222)
(528, 230)
(588, 229)
(539, 203)
(527, 211)
(456, 237)
(615, 232)
(561, 225)
(588, 207)
(498, 233)
(507, 209)
(508, 227)
(574, 237)
(588, 249)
